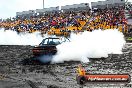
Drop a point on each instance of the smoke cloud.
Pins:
(94, 44)
(9, 37)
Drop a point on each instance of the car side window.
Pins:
(44, 42)
(51, 42)
(57, 41)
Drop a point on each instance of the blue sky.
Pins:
(8, 8)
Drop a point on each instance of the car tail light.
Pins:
(36, 50)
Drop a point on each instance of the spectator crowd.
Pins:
(45, 23)
(109, 18)
(62, 23)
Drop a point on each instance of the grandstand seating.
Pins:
(56, 23)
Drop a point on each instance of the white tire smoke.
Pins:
(9, 37)
(94, 44)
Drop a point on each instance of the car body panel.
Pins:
(47, 46)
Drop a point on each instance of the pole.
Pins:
(113, 3)
(43, 4)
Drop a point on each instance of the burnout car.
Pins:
(47, 46)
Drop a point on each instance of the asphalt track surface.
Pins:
(17, 70)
